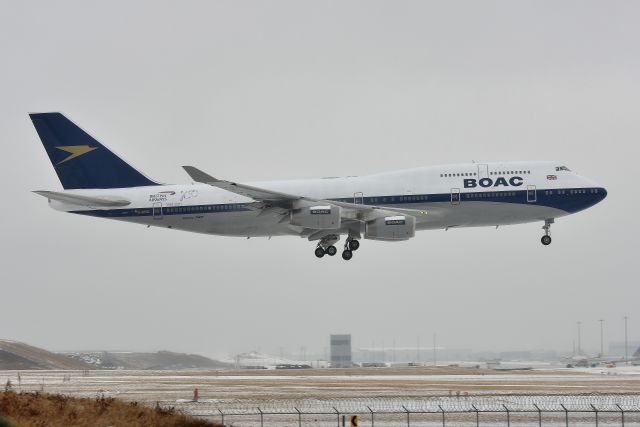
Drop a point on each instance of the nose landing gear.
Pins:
(546, 239)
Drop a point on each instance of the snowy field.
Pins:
(320, 397)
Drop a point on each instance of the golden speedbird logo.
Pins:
(74, 151)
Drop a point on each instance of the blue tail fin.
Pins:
(79, 160)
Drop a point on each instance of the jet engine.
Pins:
(317, 217)
(399, 227)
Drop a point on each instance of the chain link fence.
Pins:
(520, 410)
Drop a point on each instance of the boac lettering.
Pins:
(514, 181)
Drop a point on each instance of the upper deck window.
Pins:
(562, 168)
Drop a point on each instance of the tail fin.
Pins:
(79, 160)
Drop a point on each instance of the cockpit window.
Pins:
(562, 168)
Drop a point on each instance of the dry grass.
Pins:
(53, 410)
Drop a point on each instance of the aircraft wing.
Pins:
(76, 199)
(369, 212)
(351, 211)
(255, 193)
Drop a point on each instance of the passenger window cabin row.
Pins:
(456, 174)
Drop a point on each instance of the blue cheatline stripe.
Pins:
(168, 211)
(569, 200)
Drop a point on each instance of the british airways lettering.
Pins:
(514, 181)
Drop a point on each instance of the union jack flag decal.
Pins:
(552, 177)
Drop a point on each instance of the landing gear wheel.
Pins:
(347, 255)
(354, 245)
(331, 250)
(546, 239)
(319, 252)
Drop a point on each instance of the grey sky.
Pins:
(269, 90)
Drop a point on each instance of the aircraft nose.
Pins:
(600, 195)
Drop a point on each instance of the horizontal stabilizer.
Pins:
(75, 199)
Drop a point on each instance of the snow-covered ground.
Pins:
(617, 370)
(387, 394)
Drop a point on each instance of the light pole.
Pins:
(579, 347)
(601, 338)
(435, 357)
(626, 343)
(394, 350)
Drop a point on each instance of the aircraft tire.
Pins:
(354, 245)
(319, 252)
(347, 255)
(331, 250)
(546, 240)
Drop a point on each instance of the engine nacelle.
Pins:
(391, 228)
(318, 217)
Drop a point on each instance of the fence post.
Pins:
(596, 411)
(477, 415)
(622, 413)
(222, 415)
(372, 421)
(261, 417)
(299, 417)
(508, 415)
(566, 415)
(408, 419)
(442, 410)
(539, 415)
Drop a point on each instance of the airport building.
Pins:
(341, 351)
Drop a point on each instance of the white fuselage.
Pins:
(458, 195)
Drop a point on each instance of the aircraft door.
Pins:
(483, 171)
(157, 210)
(531, 193)
(358, 198)
(455, 196)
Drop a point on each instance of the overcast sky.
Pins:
(269, 90)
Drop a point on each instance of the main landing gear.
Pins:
(350, 246)
(330, 250)
(546, 239)
(325, 247)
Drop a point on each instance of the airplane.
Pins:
(388, 206)
(585, 361)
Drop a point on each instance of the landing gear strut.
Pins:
(546, 239)
(350, 246)
(326, 247)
